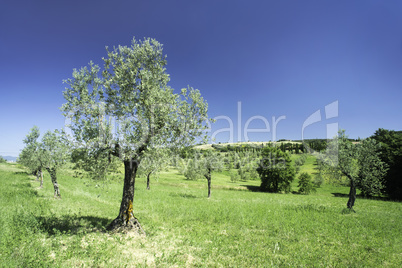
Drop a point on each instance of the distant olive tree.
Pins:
(32, 155)
(56, 152)
(359, 163)
(153, 162)
(209, 161)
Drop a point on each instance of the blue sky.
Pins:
(281, 59)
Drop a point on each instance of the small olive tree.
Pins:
(153, 162)
(209, 161)
(56, 152)
(32, 156)
(359, 162)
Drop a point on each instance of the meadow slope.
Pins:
(236, 227)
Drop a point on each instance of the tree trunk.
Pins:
(148, 178)
(209, 187)
(208, 177)
(37, 174)
(52, 172)
(41, 179)
(126, 221)
(352, 194)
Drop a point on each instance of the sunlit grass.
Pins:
(235, 227)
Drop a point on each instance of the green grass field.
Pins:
(237, 226)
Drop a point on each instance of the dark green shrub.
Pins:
(276, 170)
(306, 185)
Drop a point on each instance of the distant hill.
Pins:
(9, 158)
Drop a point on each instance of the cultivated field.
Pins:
(238, 226)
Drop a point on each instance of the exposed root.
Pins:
(120, 226)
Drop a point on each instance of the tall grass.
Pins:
(235, 227)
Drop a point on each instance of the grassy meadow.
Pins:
(237, 227)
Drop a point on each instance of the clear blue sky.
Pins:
(278, 58)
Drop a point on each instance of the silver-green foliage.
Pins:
(55, 149)
(32, 156)
(128, 107)
(97, 165)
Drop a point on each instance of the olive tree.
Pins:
(359, 162)
(56, 152)
(32, 156)
(128, 109)
(152, 163)
(207, 162)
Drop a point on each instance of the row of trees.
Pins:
(359, 162)
(125, 111)
(50, 153)
(291, 147)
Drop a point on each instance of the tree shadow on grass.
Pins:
(252, 188)
(21, 173)
(381, 198)
(72, 224)
(183, 195)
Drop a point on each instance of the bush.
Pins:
(300, 160)
(318, 180)
(244, 175)
(253, 174)
(234, 176)
(2, 160)
(275, 170)
(192, 171)
(306, 186)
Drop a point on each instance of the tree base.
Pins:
(120, 226)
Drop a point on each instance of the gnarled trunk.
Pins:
(352, 194)
(126, 220)
(208, 177)
(41, 178)
(37, 174)
(148, 179)
(53, 177)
